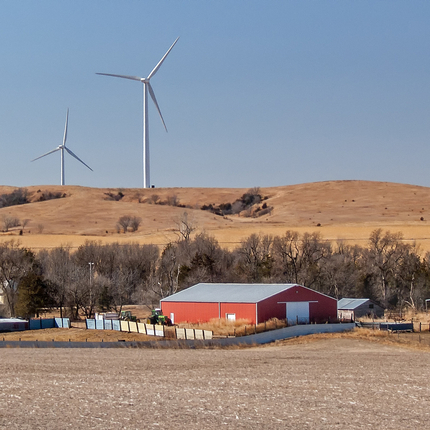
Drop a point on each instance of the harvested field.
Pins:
(322, 384)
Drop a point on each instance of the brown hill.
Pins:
(347, 210)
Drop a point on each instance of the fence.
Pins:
(419, 327)
(422, 338)
(393, 327)
(126, 326)
(42, 323)
(257, 339)
(148, 329)
(193, 334)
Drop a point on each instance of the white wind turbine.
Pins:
(62, 148)
(146, 88)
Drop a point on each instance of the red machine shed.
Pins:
(254, 302)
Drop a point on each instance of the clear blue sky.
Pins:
(255, 93)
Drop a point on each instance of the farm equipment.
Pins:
(158, 318)
(127, 316)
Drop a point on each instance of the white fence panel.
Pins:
(180, 333)
(189, 333)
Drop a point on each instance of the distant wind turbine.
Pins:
(62, 148)
(146, 87)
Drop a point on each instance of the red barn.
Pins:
(254, 302)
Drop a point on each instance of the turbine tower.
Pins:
(146, 88)
(62, 148)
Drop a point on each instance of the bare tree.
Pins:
(9, 222)
(340, 271)
(154, 199)
(298, 258)
(15, 263)
(255, 260)
(124, 222)
(287, 252)
(167, 281)
(135, 222)
(410, 280)
(385, 254)
(207, 262)
(185, 226)
(58, 269)
(172, 200)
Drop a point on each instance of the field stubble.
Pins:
(324, 383)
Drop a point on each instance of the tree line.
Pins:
(98, 277)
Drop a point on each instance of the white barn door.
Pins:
(298, 312)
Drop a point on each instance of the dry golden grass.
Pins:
(239, 327)
(378, 336)
(220, 327)
(346, 210)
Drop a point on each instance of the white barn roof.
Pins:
(350, 304)
(230, 293)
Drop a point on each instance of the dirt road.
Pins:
(326, 384)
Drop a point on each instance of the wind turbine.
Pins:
(146, 88)
(62, 148)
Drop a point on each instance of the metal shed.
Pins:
(253, 302)
(351, 309)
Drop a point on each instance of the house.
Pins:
(351, 309)
(253, 302)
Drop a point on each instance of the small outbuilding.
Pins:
(253, 302)
(351, 309)
(13, 324)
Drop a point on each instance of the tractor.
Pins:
(127, 316)
(158, 318)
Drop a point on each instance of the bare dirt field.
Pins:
(347, 210)
(324, 384)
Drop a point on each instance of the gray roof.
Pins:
(351, 303)
(231, 293)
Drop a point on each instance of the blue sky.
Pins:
(255, 93)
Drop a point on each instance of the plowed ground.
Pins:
(324, 384)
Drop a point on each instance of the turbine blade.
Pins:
(133, 78)
(75, 156)
(154, 71)
(65, 127)
(50, 152)
(151, 92)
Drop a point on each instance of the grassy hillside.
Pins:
(347, 210)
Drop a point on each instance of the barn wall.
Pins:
(190, 312)
(270, 308)
(200, 312)
(324, 308)
(242, 310)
